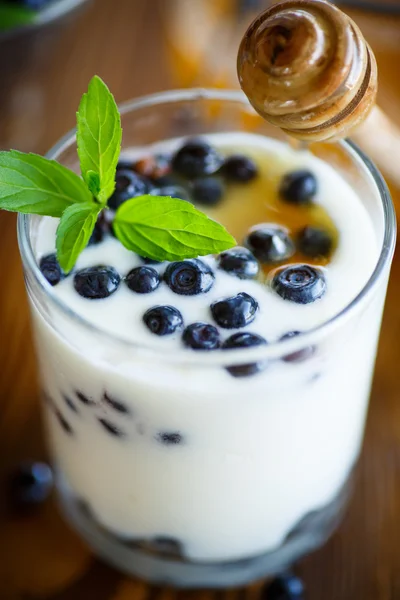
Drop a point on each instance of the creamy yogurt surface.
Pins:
(352, 263)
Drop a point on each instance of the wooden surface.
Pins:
(40, 557)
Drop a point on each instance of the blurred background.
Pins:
(49, 50)
(48, 55)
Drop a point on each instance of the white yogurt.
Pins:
(256, 454)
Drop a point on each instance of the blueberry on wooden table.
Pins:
(285, 587)
(30, 485)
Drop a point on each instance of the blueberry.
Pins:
(299, 355)
(111, 428)
(84, 399)
(314, 242)
(285, 587)
(201, 336)
(30, 485)
(208, 191)
(189, 277)
(170, 439)
(127, 185)
(236, 311)
(239, 262)
(298, 187)
(163, 320)
(102, 227)
(70, 403)
(239, 168)
(125, 165)
(196, 159)
(143, 280)
(96, 282)
(166, 181)
(97, 235)
(245, 340)
(270, 243)
(63, 422)
(51, 270)
(174, 191)
(299, 283)
(115, 404)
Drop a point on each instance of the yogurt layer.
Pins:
(163, 448)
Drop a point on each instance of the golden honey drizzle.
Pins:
(246, 205)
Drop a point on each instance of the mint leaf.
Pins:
(32, 184)
(73, 232)
(14, 16)
(93, 183)
(99, 136)
(164, 228)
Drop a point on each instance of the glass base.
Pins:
(160, 563)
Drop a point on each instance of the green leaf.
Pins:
(32, 184)
(73, 233)
(164, 228)
(98, 137)
(15, 16)
(93, 183)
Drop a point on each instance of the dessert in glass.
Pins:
(205, 416)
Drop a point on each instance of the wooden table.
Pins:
(40, 557)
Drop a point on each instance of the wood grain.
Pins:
(40, 557)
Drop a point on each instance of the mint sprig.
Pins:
(156, 227)
(98, 137)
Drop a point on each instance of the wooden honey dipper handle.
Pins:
(306, 68)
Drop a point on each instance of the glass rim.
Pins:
(271, 350)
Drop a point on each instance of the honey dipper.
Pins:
(306, 68)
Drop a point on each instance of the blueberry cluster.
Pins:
(272, 243)
(198, 172)
(109, 421)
